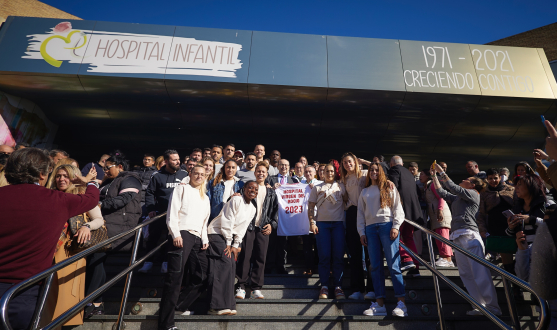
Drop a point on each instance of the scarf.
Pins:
(500, 187)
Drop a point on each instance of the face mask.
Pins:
(503, 178)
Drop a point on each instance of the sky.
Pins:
(473, 21)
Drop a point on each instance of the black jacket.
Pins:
(161, 186)
(537, 211)
(269, 212)
(121, 210)
(145, 174)
(274, 179)
(406, 185)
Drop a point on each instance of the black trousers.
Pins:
(220, 286)
(158, 231)
(254, 252)
(276, 252)
(177, 259)
(357, 273)
(95, 274)
(310, 255)
(22, 306)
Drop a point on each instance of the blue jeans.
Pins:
(330, 245)
(379, 237)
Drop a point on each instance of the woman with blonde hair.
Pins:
(353, 180)
(159, 163)
(380, 215)
(68, 287)
(69, 161)
(187, 220)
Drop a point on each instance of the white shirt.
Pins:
(370, 211)
(293, 213)
(188, 211)
(228, 189)
(233, 220)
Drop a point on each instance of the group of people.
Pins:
(223, 210)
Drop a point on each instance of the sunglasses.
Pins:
(107, 168)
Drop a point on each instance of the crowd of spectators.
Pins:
(222, 215)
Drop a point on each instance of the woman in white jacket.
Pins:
(187, 217)
(380, 215)
(225, 233)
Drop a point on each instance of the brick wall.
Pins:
(544, 37)
(30, 8)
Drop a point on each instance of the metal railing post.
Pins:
(511, 303)
(442, 325)
(41, 302)
(128, 280)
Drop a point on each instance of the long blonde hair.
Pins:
(203, 186)
(212, 171)
(383, 185)
(344, 172)
(72, 174)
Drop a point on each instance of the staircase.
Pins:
(291, 303)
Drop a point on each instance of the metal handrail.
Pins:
(506, 276)
(5, 299)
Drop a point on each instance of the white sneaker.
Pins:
(232, 312)
(442, 262)
(164, 268)
(256, 294)
(219, 311)
(370, 296)
(146, 267)
(186, 313)
(240, 293)
(400, 309)
(356, 296)
(376, 310)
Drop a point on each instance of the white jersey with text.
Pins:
(293, 213)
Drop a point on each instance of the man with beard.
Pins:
(157, 196)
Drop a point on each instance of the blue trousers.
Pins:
(330, 247)
(379, 238)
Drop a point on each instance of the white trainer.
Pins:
(164, 268)
(186, 313)
(370, 296)
(400, 309)
(256, 294)
(240, 293)
(146, 267)
(442, 262)
(219, 311)
(376, 310)
(356, 296)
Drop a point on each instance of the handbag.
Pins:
(501, 244)
(97, 236)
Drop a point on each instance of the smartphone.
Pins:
(508, 213)
(543, 120)
(522, 225)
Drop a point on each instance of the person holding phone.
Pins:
(465, 199)
(225, 233)
(529, 208)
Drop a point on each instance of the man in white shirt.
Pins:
(274, 163)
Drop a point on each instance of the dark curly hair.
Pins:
(25, 165)
(118, 158)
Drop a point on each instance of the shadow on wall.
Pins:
(21, 120)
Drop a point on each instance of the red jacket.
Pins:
(31, 220)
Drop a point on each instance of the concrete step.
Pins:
(205, 322)
(326, 307)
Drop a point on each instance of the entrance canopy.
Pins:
(145, 88)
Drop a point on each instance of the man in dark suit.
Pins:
(406, 185)
(276, 252)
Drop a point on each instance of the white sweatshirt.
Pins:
(233, 221)
(188, 211)
(370, 211)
